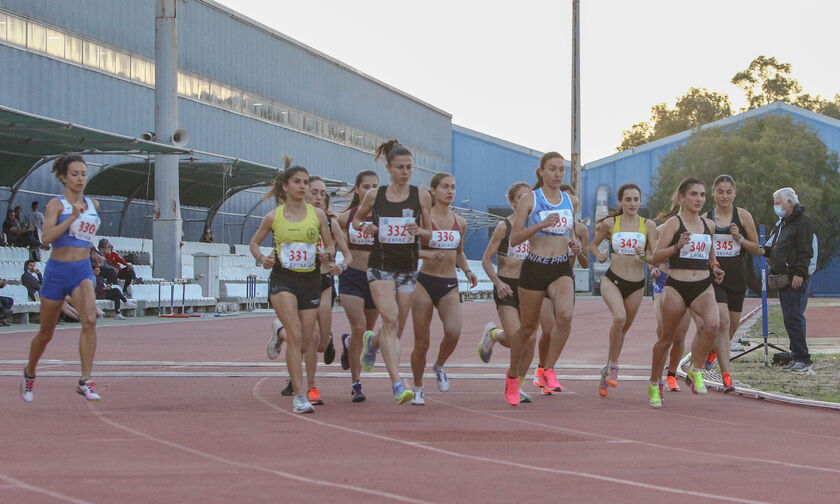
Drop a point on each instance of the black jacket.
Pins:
(791, 244)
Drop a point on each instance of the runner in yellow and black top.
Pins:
(632, 238)
(295, 282)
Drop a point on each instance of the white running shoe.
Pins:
(485, 346)
(300, 404)
(26, 387)
(119, 316)
(274, 344)
(86, 388)
(523, 397)
(442, 380)
(418, 397)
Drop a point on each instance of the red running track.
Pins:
(227, 438)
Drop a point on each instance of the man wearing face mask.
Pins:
(789, 249)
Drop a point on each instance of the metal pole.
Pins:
(166, 227)
(764, 298)
(576, 99)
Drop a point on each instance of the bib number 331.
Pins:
(298, 255)
(393, 230)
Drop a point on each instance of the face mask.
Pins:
(778, 210)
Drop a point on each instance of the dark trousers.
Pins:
(793, 303)
(114, 295)
(128, 275)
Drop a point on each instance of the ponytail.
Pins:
(282, 178)
(391, 149)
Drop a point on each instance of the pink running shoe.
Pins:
(86, 388)
(512, 390)
(550, 381)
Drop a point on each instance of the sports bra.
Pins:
(625, 243)
(444, 239)
(82, 232)
(518, 252)
(730, 254)
(695, 254)
(542, 209)
(356, 240)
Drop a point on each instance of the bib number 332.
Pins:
(393, 230)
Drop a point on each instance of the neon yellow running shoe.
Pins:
(402, 395)
(654, 397)
(694, 378)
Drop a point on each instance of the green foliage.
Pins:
(767, 80)
(762, 155)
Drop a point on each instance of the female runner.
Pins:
(392, 267)
(632, 238)
(659, 276)
(545, 218)
(353, 287)
(686, 242)
(295, 282)
(438, 285)
(734, 233)
(70, 226)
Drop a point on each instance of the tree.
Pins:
(695, 108)
(762, 155)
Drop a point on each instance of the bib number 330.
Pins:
(84, 227)
(393, 230)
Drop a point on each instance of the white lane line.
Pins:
(99, 415)
(609, 438)
(32, 488)
(609, 479)
(282, 374)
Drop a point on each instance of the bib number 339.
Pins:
(393, 230)
(84, 227)
(564, 223)
(698, 247)
(298, 255)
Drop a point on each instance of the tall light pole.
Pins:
(576, 98)
(166, 227)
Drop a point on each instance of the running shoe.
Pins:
(26, 387)
(442, 379)
(694, 378)
(368, 357)
(356, 394)
(288, 391)
(523, 397)
(603, 386)
(654, 395)
(711, 360)
(329, 353)
(485, 346)
(314, 397)
(511, 390)
(418, 397)
(673, 386)
(538, 378)
(736, 347)
(86, 388)
(301, 405)
(551, 382)
(345, 353)
(119, 316)
(612, 379)
(274, 344)
(727, 383)
(401, 394)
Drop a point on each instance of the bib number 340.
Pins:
(698, 247)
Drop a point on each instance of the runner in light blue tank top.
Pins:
(542, 208)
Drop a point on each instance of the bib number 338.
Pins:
(393, 230)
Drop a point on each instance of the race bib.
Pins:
(698, 247)
(298, 255)
(356, 237)
(626, 243)
(445, 239)
(519, 252)
(726, 245)
(84, 227)
(562, 226)
(393, 230)
(320, 247)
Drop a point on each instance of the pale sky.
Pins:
(504, 68)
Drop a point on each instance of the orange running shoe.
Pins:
(603, 389)
(612, 379)
(711, 360)
(672, 384)
(727, 383)
(511, 390)
(538, 378)
(550, 380)
(314, 397)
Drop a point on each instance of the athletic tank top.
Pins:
(625, 243)
(296, 243)
(444, 239)
(356, 240)
(321, 247)
(519, 252)
(542, 209)
(82, 232)
(394, 249)
(729, 253)
(695, 254)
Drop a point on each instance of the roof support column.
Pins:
(167, 224)
(576, 101)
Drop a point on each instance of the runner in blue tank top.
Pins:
(70, 225)
(544, 217)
